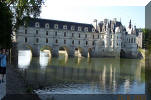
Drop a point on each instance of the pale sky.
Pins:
(85, 11)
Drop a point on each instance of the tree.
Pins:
(12, 12)
(5, 26)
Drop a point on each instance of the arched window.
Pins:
(37, 24)
(55, 26)
(65, 27)
(46, 25)
(93, 30)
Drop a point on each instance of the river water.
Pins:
(64, 75)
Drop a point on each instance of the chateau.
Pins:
(108, 38)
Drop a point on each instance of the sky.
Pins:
(85, 11)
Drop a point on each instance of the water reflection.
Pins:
(85, 75)
(24, 59)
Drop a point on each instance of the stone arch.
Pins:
(46, 48)
(78, 51)
(25, 47)
(64, 49)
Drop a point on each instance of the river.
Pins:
(76, 75)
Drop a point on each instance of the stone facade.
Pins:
(107, 39)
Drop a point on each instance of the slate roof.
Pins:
(42, 22)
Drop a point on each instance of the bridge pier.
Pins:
(35, 51)
(85, 53)
(71, 53)
(55, 52)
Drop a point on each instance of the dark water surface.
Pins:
(82, 75)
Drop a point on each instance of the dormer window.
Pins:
(56, 26)
(79, 28)
(65, 27)
(86, 29)
(46, 25)
(72, 28)
(93, 30)
(37, 24)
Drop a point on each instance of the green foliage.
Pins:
(5, 26)
(22, 8)
(12, 13)
(147, 39)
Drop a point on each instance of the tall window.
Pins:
(85, 35)
(86, 42)
(46, 40)
(56, 41)
(93, 36)
(79, 35)
(64, 41)
(79, 42)
(72, 42)
(131, 40)
(46, 32)
(37, 40)
(64, 34)
(93, 43)
(134, 40)
(98, 36)
(36, 31)
(55, 33)
(72, 34)
(25, 31)
(25, 40)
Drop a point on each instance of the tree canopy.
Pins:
(12, 13)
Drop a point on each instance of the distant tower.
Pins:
(130, 25)
(95, 22)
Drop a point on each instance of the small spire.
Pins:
(130, 24)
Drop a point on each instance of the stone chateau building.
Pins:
(108, 38)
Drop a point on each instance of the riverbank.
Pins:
(16, 88)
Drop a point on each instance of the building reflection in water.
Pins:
(100, 75)
(44, 59)
(24, 58)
